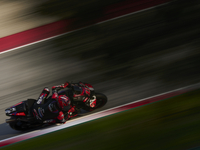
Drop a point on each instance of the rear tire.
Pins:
(18, 125)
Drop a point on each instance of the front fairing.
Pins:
(16, 110)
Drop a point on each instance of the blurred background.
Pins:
(127, 58)
(162, 43)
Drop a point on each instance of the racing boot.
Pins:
(60, 118)
(72, 113)
(43, 96)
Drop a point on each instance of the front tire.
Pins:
(101, 101)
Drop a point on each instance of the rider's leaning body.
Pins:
(59, 108)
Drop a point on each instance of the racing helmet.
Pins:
(64, 102)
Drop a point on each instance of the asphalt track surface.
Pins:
(26, 71)
(110, 12)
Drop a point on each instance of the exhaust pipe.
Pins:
(10, 120)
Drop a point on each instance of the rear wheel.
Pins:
(17, 124)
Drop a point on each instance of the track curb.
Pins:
(100, 114)
(62, 27)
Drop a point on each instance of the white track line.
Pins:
(91, 117)
(46, 39)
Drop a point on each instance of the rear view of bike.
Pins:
(37, 113)
(20, 115)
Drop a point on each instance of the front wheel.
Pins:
(101, 101)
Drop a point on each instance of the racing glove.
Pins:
(62, 86)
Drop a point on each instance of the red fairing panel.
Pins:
(89, 85)
(17, 104)
(19, 114)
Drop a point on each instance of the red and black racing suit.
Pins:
(54, 110)
(50, 110)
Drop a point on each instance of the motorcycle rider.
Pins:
(60, 108)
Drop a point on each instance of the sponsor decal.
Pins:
(76, 95)
(48, 121)
(93, 102)
(91, 88)
(50, 106)
(85, 99)
(41, 112)
(20, 114)
(43, 96)
(7, 111)
(36, 114)
(75, 98)
(87, 91)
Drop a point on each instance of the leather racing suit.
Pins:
(59, 108)
(56, 109)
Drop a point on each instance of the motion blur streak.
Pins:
(99, 114)
(62, 27)
(128, 58)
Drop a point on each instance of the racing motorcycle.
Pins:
(21, 114)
